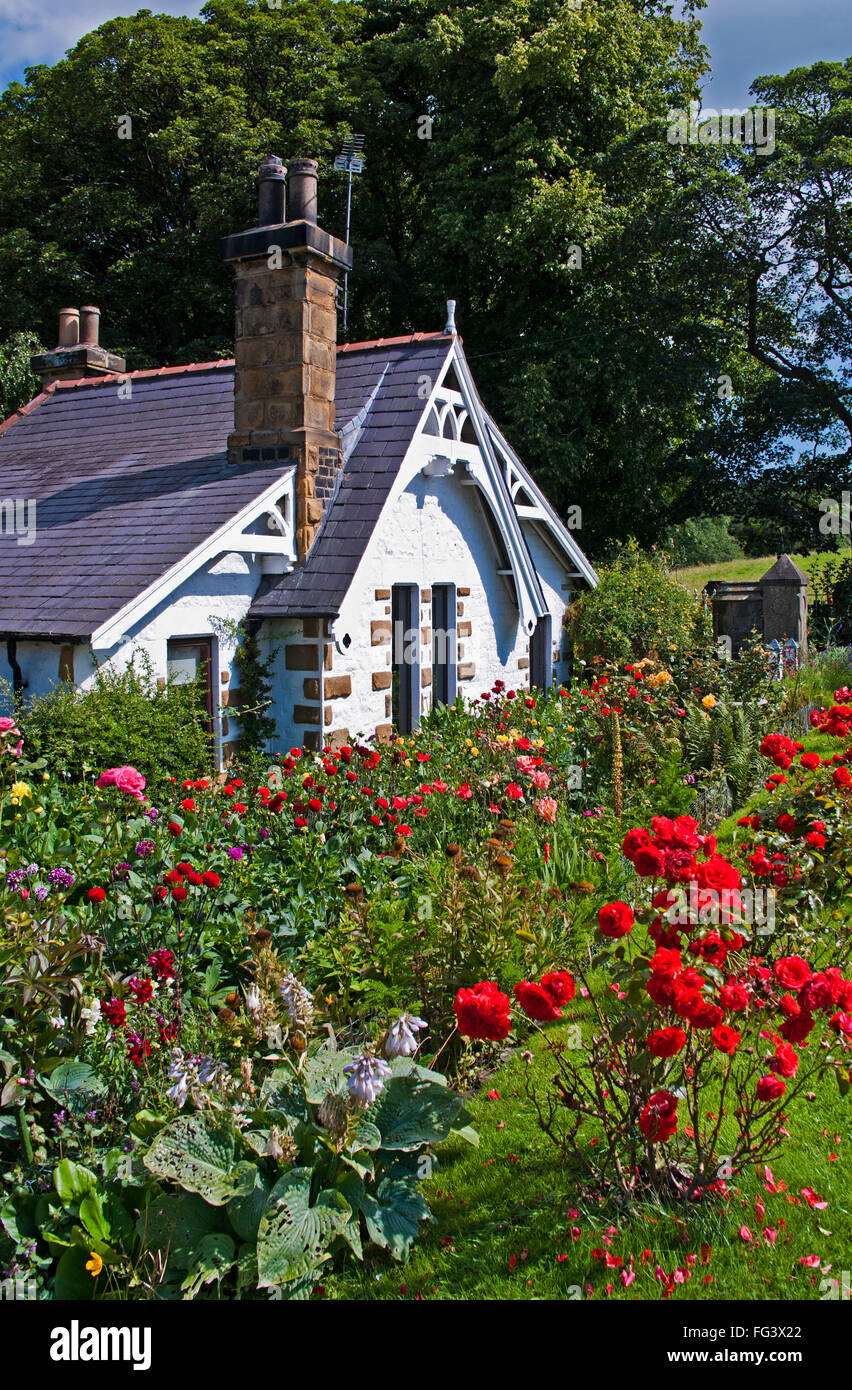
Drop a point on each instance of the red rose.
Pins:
(483, 1012)
(96, 895)
(536, 1002)
(726, 1039)
(658, 1120)
(633, 841)
(705, 1015)
(792, 972)
(796, 1028)
(718, 874)
(770, 1088)
(841, 777)
(616, 919)
(786, 824)
(666, 1042)
(560, 986)
(816, 994)
(841, 1023)
(662, 990)
(786, 1060)
(666, 962)
(815, 840)
(174, 828)
(733, 996)
(648, 862)
(810, 761)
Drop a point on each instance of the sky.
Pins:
(746, 37)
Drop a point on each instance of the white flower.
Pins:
(297, 1001)
(91, 1015)
(366, 1077)
(253, 999)
(400, 1041)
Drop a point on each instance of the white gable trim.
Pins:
(230, 537)
(517, 477)
(488, 475)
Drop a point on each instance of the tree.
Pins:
(778, 227)
(123, 165)
(17, 383)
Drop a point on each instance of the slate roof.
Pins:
(125, 489)
(318, 587)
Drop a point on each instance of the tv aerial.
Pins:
(350, 161)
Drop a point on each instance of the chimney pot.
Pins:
(90, 319)
(69, 327)
(303, 190)
(270, 192)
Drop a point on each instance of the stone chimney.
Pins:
(78, 353)
(286, 339)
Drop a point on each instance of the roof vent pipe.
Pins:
(69, 327)
(90, 319)
(303, 190)
(451, 317)
(270, 192)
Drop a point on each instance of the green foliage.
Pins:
(636, 611)
(17, 383)
(699, 541)
(123, 717)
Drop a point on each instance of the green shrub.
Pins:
(123, 718)
(637, 610)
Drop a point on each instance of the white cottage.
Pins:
(354, 506)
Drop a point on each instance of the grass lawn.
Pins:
(747, 569)
(510, 1225)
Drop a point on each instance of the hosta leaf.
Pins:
(293, 1237)
(73, 1181)
(323, 1073)
(214, 1257)
(178, 1222)
(410, 1112)
(244, 1213)
(200, 1154)
(393, 1214)
(73, 1076)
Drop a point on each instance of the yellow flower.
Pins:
(18, 791)
(95, 1264)
(709, 701)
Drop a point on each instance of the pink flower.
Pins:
(540, 779)
(126, 779)
(546, 808)
(514, 792)
(464, 791)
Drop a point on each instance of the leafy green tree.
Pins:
(17, 383)
(122, 165)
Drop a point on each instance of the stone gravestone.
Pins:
(784, 589)
(776, 606)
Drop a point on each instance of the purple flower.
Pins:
(15, 878)
(120, 871)
(264, 834)
(152, 814)
(235, 852)
(41, 891)
(145, 848)
(32, 870)
(61, 878)
(365, 1077)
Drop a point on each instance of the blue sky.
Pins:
(746, 37)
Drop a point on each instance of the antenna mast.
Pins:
(350, 161)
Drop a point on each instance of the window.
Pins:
(405, 657)
(190, 659)
(444, 644)
(541, 654)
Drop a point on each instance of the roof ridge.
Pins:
(387, 342)
(30, 405)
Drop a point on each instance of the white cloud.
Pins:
(40, 31)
